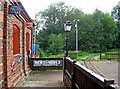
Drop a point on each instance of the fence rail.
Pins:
(110, 56)
(77, 76)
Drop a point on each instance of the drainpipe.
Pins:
(23, 46)
(5, 82)
(31, 41)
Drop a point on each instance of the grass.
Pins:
(80, 54)
(85, 54)
(57, 56)
(71, 54)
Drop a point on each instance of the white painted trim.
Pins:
(1, 81)
(1, 72)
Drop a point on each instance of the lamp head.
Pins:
(67, 26)
(119, 4)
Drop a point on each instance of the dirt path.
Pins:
(44, 79)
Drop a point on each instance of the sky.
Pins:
(87, 6)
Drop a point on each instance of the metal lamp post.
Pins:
(118, 20)
(67, 28)
(119, 12)
(76, 26)
(119, 4)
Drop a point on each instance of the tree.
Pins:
(105, 28)
(116, 16)
(96, 32)
(42, 39)
(56, 44)
(55, 16)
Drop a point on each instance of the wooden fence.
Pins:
(76, 76)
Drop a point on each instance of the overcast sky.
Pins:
(87, 6)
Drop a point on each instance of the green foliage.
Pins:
(42, 39)
(104, 30)
(96, 32)
(42, 53)
(56, 44)
(116, 16)
(113, 50)
(82, 55)
(72, 54)
(61, 55)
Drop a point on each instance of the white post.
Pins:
(76, 26)
(36, 19)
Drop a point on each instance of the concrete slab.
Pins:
(43, 79)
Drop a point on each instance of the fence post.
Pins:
(107, 82)
(64, 64)
(100, 56)
(73, 76)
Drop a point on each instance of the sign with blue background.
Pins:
(14, 9)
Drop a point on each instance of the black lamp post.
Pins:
(118, 22)
(67, 28)
(119, 12)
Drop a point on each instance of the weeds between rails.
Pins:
(88, 64)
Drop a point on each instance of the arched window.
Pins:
(16, 40)
(27, 41)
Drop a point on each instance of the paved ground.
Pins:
(54, 79)
(110, 69)
(44, 79)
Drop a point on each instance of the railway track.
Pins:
(88, 64)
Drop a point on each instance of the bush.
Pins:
(42, 53)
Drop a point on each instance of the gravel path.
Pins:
(110, 69)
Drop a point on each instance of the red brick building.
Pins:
(15, 41)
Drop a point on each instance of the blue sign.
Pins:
(14, 9)
(19, 59)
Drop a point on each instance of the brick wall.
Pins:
(15, 65)
(14, 71)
